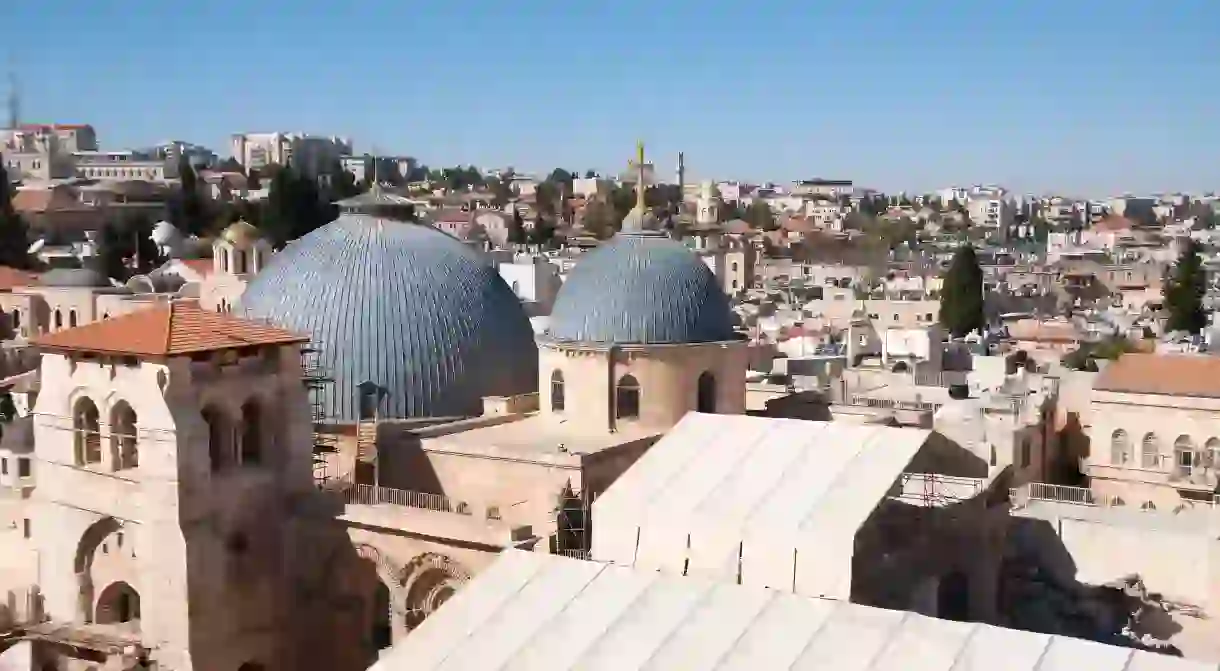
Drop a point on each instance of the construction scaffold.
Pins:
(318, 384)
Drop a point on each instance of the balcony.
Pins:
(1197, 479)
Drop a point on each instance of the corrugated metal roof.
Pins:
(641, 288)
(535, 612)
(776, 502)
(405, 307)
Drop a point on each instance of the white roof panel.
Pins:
(535, 612)
(729, 496)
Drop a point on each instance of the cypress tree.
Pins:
(961, 298)
(1184, 290)
(14, 234)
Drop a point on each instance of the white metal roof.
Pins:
(774, 502)
(542, 612)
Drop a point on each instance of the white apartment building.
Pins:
(991, 211)
(308, 153)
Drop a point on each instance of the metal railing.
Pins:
(1082, 496)
(891, 404)
(370, 495)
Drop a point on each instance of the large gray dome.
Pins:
(641, 288)
(405, 307)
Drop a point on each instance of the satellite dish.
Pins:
(37, 246)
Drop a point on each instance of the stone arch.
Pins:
(627, 398)
(705, 393)
(118, 603)
(86, 431)
(215, 419)
(430, 580)
(557, 391)
(124, 441)
(253, 418)
(82, 563)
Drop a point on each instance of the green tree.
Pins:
(600, 218)
(343, 182)
(8, 409)
(1086, 356)
(14, 234)
(560, 176)
(1184, 290)
(112, 253)
(294, 207)
(516, 228)
(590, 174)
(187, 210)
(543, 234)
(961, 299)
(760, 217)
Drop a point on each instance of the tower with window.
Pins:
(168, 444)
(238, 253)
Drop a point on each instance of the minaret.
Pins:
(14, 100)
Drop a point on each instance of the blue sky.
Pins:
(1089, 96)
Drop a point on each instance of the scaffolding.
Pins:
(318, 382)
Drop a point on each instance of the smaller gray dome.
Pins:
(641, 288)
(74, 278)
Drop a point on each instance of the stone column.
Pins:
(84, 603)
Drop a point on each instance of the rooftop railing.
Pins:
(1082, 496)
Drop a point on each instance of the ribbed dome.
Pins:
(641, 288)
(403, 306)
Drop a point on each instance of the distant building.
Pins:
(829, 188)
(310, 154)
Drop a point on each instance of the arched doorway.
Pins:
(432, 580)
(953, 597)
(118, 603)
(705, 400)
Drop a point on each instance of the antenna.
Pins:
(14, 96)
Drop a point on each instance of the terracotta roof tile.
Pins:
(11, 277)
(1167, 374)
(170, 329)
(202, 266)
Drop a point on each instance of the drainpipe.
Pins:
(612, 422)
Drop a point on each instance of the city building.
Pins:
(310, 154)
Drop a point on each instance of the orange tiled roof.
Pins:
(202, 266)
(1166, 374)
(168, 329)
(11, 277)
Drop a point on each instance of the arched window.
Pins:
(59, 319)
(627, 398)
(88, 439)
(218, 438)
(1183, 456)
(705, 396)
(71, 318)
(557, 399)
(224, 263)
(240, 260)
(16, 320)
(252, 433)
(105, 315)
(1211, 453)
(1120, 447)
(1150, 455)
(123, 443)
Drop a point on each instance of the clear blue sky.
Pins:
(1089, 96)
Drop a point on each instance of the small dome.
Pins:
(241, 232)
(73, 278)
(406, 307)
(641, 288)
(164, 233)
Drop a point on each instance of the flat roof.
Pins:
(537, 437)
(544, 612)
(773, 502)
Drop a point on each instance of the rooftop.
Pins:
(1166, 374)
(772, 502)
(535, 611)
(167, 329)
(536, 437)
